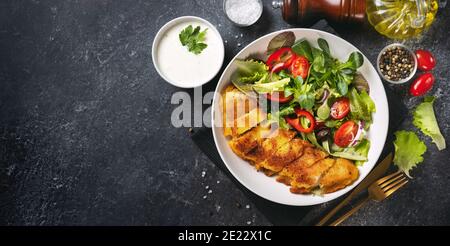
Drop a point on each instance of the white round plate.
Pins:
(268, 187)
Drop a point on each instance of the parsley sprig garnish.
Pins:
(193, 39)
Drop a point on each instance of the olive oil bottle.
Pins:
(401, 19)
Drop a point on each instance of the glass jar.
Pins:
(401, 19)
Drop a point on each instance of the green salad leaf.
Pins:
(361, 105)
(355, 60)
(278, 117)
(328, 70)
(303, 48)
(247, 73)
(250, 71)
(425, 120)
(270, 87)
(357, 153)
(323, 44)
(323, 111)
(193, 39)
(284, 39)
(350, 154)
(362, 149)
(408, 151)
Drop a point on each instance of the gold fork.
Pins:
(378, 191)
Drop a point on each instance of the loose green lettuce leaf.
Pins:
(408, 150)
(361, 105)
(425, 120)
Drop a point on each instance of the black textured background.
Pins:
(85, 133)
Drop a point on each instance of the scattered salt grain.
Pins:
(210, 191)
(236, 37)
(203, 174)
(249, 222)
(239, 44)
(242, 35)
(247, 206)
(243, 12)
(218, 181)
(206, 187)
(204, 197)
(226, 41)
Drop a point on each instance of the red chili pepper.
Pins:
(279, 97)
(283, 55)
(296, 122)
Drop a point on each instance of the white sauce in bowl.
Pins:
(186, 69)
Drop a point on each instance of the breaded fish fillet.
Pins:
(310, 176)
(248, 141)
(296, 168)
(340, 175)
(284, 155)
(269, 146)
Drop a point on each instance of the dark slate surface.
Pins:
(85, 132)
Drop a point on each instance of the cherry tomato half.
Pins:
(283, 55)
(422, 84)
(345, 135)
(425, 60)
(279, 97)
(300, 67)
(296, 122)
(340, 108)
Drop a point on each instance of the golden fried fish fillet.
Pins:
(248, 141)
(340, 175)
(284, 155)
(269, 146)
(307, 178)
(293, 170)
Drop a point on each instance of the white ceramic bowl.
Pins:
(268, 187)
(413, 55)
(213, 70)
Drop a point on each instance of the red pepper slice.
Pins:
(296, 122)
(279, 97)
(283, 55)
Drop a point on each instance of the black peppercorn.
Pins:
(396, 63)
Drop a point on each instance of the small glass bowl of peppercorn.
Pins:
(396, 63)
